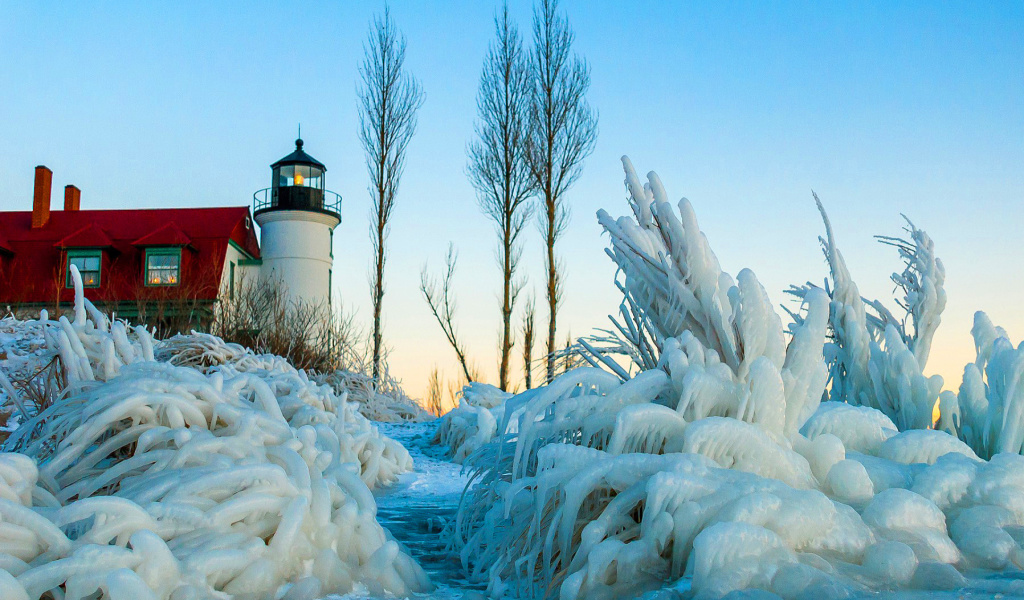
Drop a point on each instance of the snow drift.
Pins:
(234, 476)
(701, 447)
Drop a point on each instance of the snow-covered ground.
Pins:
(417, 508)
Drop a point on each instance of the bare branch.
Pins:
(442, 306)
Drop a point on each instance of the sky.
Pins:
(881, 108)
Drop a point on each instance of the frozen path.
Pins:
(416, 508)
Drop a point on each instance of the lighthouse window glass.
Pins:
(89, 263)
(163, 266)
(299, 175)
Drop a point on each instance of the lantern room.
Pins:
(297, 184)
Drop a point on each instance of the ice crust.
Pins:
(235, 477)
(712, 458)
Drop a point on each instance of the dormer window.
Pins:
(163, 266)
(89, 263)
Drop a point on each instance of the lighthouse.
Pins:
(297, 216)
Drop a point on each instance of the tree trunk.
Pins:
(506, 309)
(552, 290)
(378, 301)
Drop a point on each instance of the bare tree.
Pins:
(435, 392)
(390, 97)
(442, 305)
(529, 320)
(498, 166)
(563, 130)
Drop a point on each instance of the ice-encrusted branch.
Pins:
(874, 361)
(922, 282)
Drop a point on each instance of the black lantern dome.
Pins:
(298, 184)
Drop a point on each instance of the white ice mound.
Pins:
(166, 482)
(922, 446)
(737, 445)
(861, 428)
(711, 456)
(381, 399)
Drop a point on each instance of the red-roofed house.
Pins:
(170, 267)
(133, 262)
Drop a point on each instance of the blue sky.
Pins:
(744, 108)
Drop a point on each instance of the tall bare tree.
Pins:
(390, 97)
(498, 166)
(563, 130)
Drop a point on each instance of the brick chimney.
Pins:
(41, 197)
(72, 197)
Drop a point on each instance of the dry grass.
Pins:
(261, 316)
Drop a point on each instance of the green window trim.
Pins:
(231, 282)
(164, 269)
(240, 249)
(79, 258)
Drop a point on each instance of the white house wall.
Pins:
(232, 263)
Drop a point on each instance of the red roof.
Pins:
(33, 271)
(89, 236)
(168, 235)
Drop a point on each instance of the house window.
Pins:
(231, 282)
(89, 263)
(163, 266)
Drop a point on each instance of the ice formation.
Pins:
(153, 480)
(874, 358)
(988, 411)
(710, 455)
(474, 422)
(380, 400)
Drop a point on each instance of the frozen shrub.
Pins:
(876, 359)
(988, 411)
(235, 476)
(472, 423)
(700, 448)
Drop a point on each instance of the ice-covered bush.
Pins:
(381, 399)
(235, 476)
(712, 456)
(876, 359)
(472, 423)
(988, 411)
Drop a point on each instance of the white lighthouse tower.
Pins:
(297, 217)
